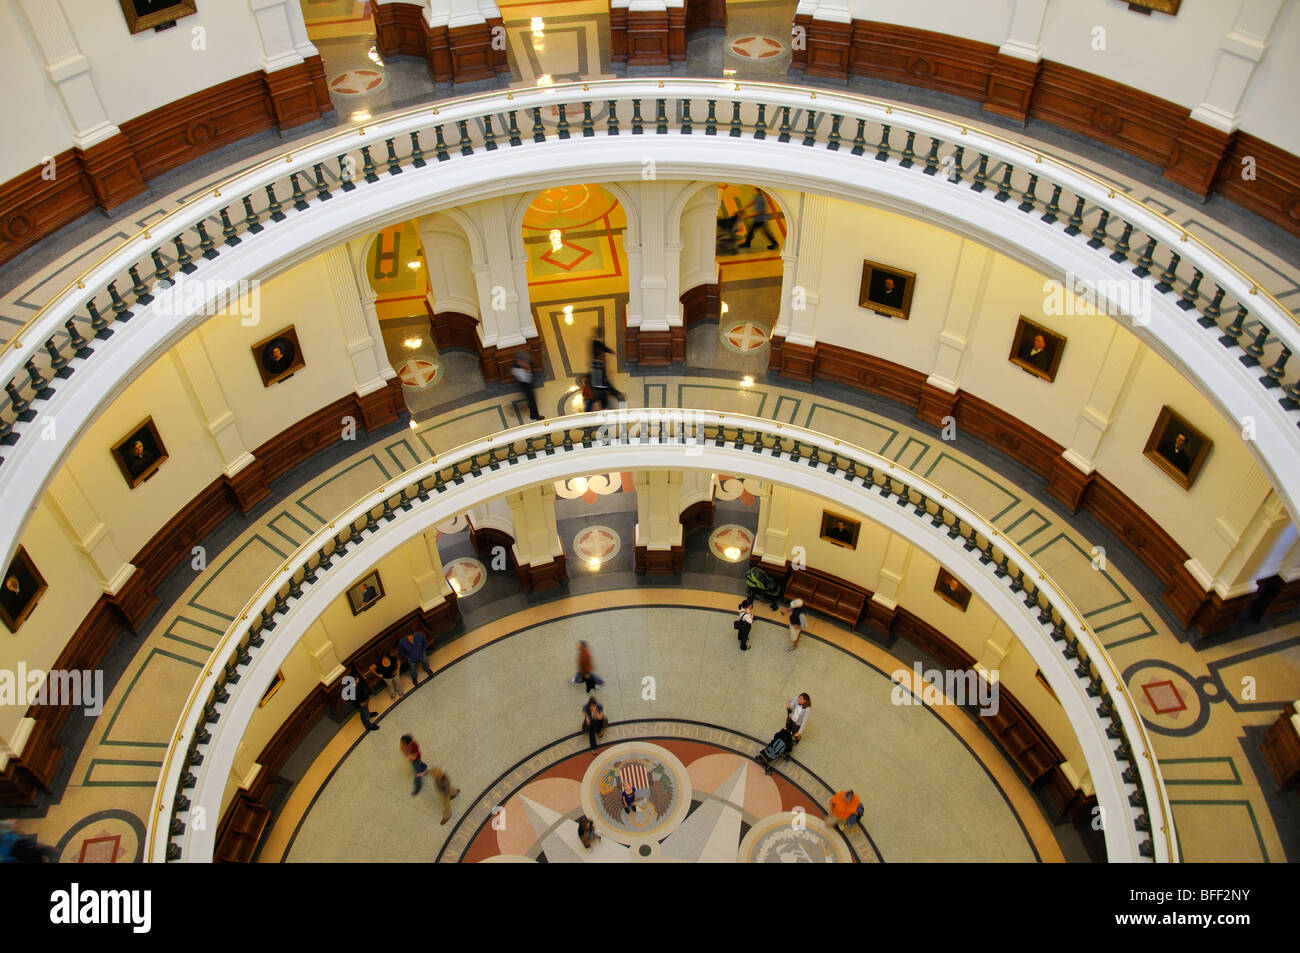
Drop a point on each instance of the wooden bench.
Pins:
(824, 594)
(241, 830)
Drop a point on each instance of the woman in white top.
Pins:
(744, 621)
(796, 719)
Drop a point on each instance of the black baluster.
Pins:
(783, 131)
(760, 126)
(958, 156)
(986, 552)
(981, 175)
(661, 117)
(120, 312)
(490, 137)
(833, 137)
(368, 167)
(1170, 274)
(860, 139)
(588, 124)
(1292, 399)
(322, 190)
(251, 221)
(1232, 333)
(1146, 259)
(1000, 570)
(932, 158)
(711, 120)
(228, 228)
(638, 124)
(909, 153)
(20, 407)
(1076, 219)
(736, 126)
(440, 146)
(97, 324)
(40, 386)
(539, 131)
(206, 243)
(1004, 190)
(346, 163)
(1187, 301)
(1099, 235)
(810, 130)
(1122, 246)
(1053, 209)
(295, 587)
(970, 543)
(273, 206)
(394, 163)
(417, 154)
(58, 363)
(883, 148)
(162, 276)
(1275, 373)
(1212, 312)
(138, 288)
(686, 121)
(1254, 351)
(468, 150)
(611, 125)
(562, 127)
(513, 128)
(299, 196)
(1029, 198)
(80, 346)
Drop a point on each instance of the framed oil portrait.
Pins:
(840, 530)
(278, 357)
(1159, 6)
(886, 290)
(1036, 349)
(1177, 448)
(22, 588)
(144, 15)
(140, 453)
(951, 590)
(366, 593)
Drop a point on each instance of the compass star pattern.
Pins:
(465, 576)
(756, 46)
(744, 337)
(419, 373)
(355, 82)
(597, 542)
(731, 536)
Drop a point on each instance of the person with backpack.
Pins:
(743, 623)
(361, 699)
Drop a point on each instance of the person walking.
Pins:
(413, 648)
(522, 371)
(758, 222)
(446, 793)
(411, 750)
(386, 668)
(744, 621)
(796, 718)
(600, 382)
(361, 699)
(586, 669)
(587, 831)
(846, 809)
(798, 619)
(593, 719)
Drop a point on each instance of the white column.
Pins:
(370, 367)
(69, 71)
(502, 280)
(1239, 54)
(426, 570)
(770, 542)
(1121, 360)
(698, 264)
(302, 43)
(965, 298)
(91, 534)
(658, 509)
(836, 11)
(1025, 35)
(447, 256)
(200, 378)
(650, 300)
(317, 643)
(803, 295)
(997, 647)
(1253, 521)
(12, 746)
(275, 31)
(697, 487)
(537, 541)
(898, 553)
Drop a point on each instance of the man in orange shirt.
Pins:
(846, 808)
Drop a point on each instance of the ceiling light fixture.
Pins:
(538, 26)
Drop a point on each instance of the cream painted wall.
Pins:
(31, 111)
(1262, 114)
(1007, 291)
(986, 21)
(73, 590)
(301, 297)
(970, 629)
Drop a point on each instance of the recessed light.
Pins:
(412, 343)
(568, 314)
(538, 26)
(412, 423)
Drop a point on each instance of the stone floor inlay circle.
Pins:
(731, 542)
(466, 576)
(600, 543)
(357, 82)
(744, 337)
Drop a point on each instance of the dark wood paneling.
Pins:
(701, 303)
(248, 487)
(1274, 192)
(647, 37)
(545, 576)
(1198, 153)
(1008, 433)
(32, 207)
(935, 405)
(193, 126)
(111, 171)
(173, 544)
(659, 562)
(293, 95)
(1068, 483)
(655, 348)
(704, 14)
(487, 539)
(795, 361)
(1129, 119)
(399, 28)
(870, 373)
(1011, 86)
(697, 515)
(830, 49)
(918, 57)
(1281, 750)
(471, 52)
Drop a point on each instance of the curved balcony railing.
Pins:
(1210, 319)
(1138, 822)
